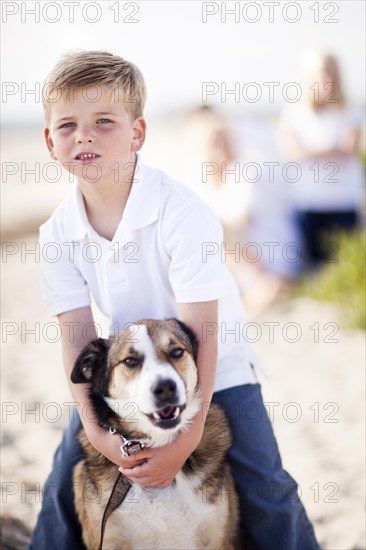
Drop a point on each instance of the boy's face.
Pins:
(92, 136)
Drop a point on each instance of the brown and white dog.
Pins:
(144, 386)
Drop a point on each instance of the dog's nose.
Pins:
(165, 392)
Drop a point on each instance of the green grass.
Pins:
(342, 282)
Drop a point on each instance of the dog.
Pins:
(15, 534)
(143, 386)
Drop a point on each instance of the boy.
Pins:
(153, 243)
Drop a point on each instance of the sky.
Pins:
(189, 51)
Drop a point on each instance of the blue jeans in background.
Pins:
(272, 515)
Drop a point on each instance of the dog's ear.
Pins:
(91, 360)
(191, 336)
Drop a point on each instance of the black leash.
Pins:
(122, 483)
(117, 496)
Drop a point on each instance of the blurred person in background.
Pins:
(208, 168)
(271, 240)
(228, 166)
(321, 134)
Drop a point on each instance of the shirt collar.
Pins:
(142, 207)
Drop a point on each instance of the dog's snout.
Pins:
(165, 392)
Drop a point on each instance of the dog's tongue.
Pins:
(166, 412)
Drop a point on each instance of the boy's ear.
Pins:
(49, 143)
(92, 360)
(138, 134)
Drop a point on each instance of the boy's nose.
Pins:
(85, 136)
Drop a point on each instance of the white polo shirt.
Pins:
(167, 250)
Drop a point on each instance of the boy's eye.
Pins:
(104, 120)
(68, 125)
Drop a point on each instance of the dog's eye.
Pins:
(176, 353)
(131, 362)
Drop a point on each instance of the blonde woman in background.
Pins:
(321, 135)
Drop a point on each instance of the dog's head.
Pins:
(146, 375)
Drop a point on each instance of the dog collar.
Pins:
(129, 447)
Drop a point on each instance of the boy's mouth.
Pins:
(88, 157)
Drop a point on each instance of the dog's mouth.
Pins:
(167, 417)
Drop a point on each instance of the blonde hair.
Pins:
(80, 70)
(315, 65)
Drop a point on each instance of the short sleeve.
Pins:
(63, 287)
(194, 245)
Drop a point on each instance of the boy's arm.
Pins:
(77, 329)
(201, 317)
(162, 464)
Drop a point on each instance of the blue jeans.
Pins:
(272, 515)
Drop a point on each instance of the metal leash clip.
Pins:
(128, 447)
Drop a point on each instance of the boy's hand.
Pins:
(158, 467)
(151, 467)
